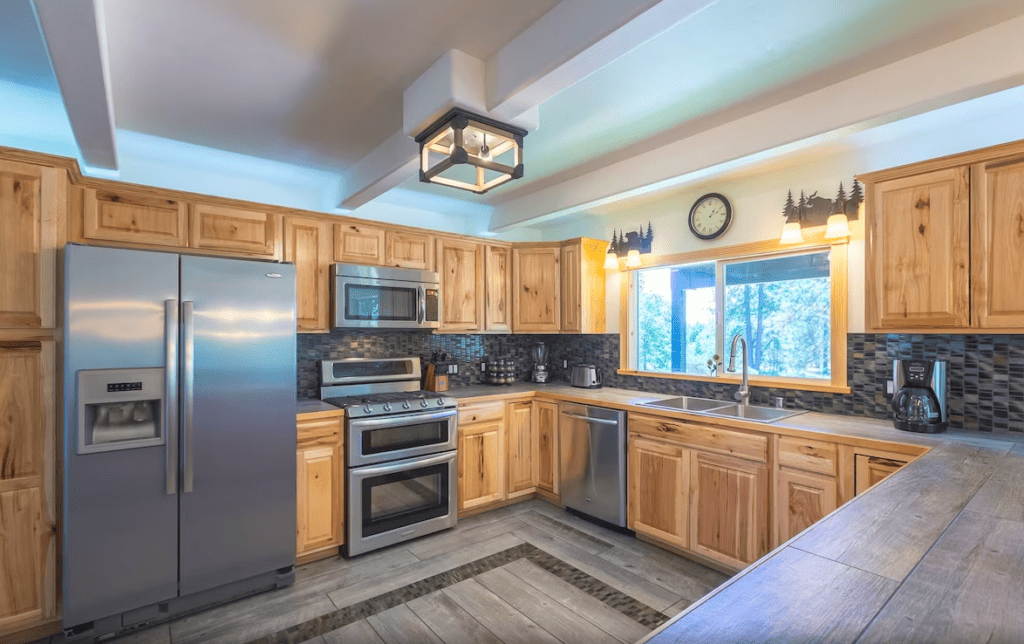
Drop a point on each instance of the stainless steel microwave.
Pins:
(378, 297)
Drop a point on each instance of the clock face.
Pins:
(710, 216)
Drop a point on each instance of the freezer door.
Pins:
(120, 536)
(593, 466)
(237, 420)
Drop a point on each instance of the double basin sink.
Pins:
(722, 409)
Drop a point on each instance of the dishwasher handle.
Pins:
(598, 421)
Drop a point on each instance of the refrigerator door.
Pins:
(237, 420)
(120, 541)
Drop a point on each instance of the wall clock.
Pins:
(710, 216)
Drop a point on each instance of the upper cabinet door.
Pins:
(918, 250)
(462, 285)
(498, 305)
(220, 228)
(536, 286)
(997, 244)
(408, 250)
(572, 304)
(307, 243)
(33, 201)
(358, 244)
(134, 218)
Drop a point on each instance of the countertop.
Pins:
(317, 407)
(935, 553)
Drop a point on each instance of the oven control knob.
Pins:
(423, 403)
(405, 405)
(440, 402)
(368, 409)
(387, 406)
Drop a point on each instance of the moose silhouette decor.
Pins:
(813, 210)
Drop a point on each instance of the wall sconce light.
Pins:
(464, 141)
(792, 231)
(637, 243)
(838, 226)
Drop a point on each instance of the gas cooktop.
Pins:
(378, 387)
(380, 404)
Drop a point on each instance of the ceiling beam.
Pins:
(574, 39)
(967, 68)
(76, 41)
(570, 42)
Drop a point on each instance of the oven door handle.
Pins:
(404, 465)
(398, 421)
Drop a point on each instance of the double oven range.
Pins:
(401, 445)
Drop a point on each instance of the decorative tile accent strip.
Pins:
(312, 628)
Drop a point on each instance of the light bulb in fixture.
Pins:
(485, 151)
(611, 261)
(837, 227)
(791, 233)
(633, 259)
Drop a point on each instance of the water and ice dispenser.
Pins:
(120, 409)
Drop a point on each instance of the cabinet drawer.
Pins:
(482, 413)
(714, 439)
(316, 433)
(807, 455)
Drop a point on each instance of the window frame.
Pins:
(839, 323)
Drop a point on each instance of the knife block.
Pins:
(435, 381)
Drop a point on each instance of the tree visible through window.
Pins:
(781, 306)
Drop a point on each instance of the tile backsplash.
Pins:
(986, 372)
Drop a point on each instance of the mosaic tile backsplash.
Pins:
(986, 372)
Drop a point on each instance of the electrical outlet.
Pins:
(565, 364)
(888, 387)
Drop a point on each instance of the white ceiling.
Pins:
(319, 83)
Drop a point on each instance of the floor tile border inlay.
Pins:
(628, 606)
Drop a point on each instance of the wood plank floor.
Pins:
(526, 573)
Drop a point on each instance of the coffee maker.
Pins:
(919, 404)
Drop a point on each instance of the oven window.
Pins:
(393, 501)
(391, 439)
(364, 302)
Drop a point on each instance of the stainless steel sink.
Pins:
(686, 403)
(752, 412)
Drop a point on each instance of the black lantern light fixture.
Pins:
(470, 152)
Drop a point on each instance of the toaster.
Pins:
(586, 376)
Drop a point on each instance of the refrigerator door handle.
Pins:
(171, 393)
(187, 393)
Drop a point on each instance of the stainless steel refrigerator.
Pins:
(179, 449)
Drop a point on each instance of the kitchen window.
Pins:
(789, 305)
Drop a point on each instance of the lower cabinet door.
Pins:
(545, 423)
(801, 500)
(658, 477)
(320, 501)
(870, 469)
(522, 471)
(728, 509)
(481, 464)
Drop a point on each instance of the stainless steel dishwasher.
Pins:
(592, 442)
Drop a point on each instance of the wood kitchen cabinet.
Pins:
(520, 443)
(874, 466)
(33, 201)
(461, 267)
(728, 508)
(545, 423)
(482, 469)
(28, 595)
(659, 477)
(918, 272)
(409, 250)
(582, 286)
(997, 244)
(138, 218)
(320, 470)
(358, 244)
(233, 230)
(536, 283)
(801, 500)
(498, 288)
(307, 244)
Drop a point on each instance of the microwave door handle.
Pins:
(171, 393)
(423, 305)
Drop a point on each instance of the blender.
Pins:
(540, 359)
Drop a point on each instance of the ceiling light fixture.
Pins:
(461, 143)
